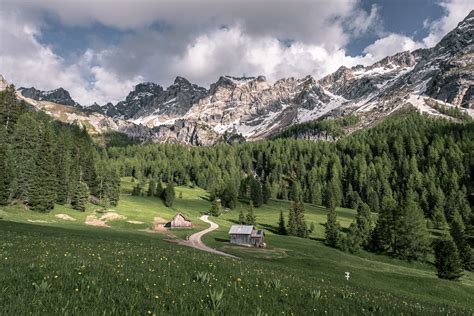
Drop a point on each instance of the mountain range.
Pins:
(434, 80)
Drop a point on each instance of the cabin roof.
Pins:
(182, 215)
(241, 230)
(258, 233)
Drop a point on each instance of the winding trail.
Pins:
(196, 242)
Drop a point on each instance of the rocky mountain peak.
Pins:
(402, 59)
(459, 38)
(181, 81)
(60, 95)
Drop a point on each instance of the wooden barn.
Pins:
(179, 221)
(247, 235)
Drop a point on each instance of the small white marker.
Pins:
(347, 275)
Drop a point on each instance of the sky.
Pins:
(99, 49)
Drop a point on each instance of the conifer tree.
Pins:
(5, 172)
(159, 189)
(24, 147)
(332, 233)
(63, 167)
(447, 262)
(250, 219)
(256, 193)
(216, 208)
(42, 195)
(241, 217)
(316, 194)
(411, 234)
(296, 194)
(360, 230)
(229, 195)
(292, 229)
(80, 196)
(457, 232)
(169, 194)
(151, 188)
(10, 109)
(266, 191)
(281, 224)
(384, 237)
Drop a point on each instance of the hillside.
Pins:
(292, 275)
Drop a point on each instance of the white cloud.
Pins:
(455, 12)
(26, 62)
(231, 51)
(390, 45)
(200, 40)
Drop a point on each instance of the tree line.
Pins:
(44, 162)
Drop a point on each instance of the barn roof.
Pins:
(258, 233)
(241, 229)
(182, 215)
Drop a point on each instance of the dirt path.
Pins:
(196, 242)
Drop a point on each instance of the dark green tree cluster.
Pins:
(250, 218)
(296, 222)
(216, 208)
(169, 195)
(43, 162)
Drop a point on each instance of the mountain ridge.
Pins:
(256, 109)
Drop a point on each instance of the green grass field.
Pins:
(67, 267)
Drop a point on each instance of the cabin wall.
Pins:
(240, 239)
(180, 222)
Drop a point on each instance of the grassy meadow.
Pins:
(52, 266)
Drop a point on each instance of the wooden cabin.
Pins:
(179, 221)
(247, 235)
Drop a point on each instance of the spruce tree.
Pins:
(216, 208)
(360, 231)
(151, 188)
(457, 232)
(241, 217)
(24, 147)
(5, 172)
(266, 191)
(256, 193)
(281, 224)
(412, 241)
(250, 219)
(42, 195)
(10, 109)
(159, 189)
(229, 195)
(384, 237)
(169, 194)
(447, 262)
(80, 196)
(292, 229)
(63, 167)
(332, 233)
(301, 228)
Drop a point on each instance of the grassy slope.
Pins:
(35, 252)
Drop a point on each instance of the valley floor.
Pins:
(50, 265)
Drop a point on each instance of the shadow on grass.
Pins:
(270, 228)
(226, 240)
(205, 198)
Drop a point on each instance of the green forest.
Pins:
(44, 162)
(414, 172)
